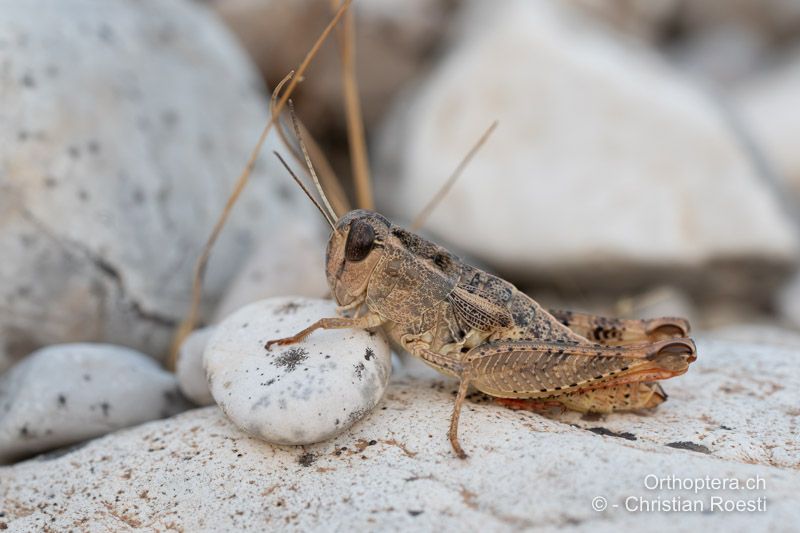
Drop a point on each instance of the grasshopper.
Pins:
(462, 321)
(480, 329)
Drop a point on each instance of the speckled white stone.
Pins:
(189, 368)
(298, 394)
(71, 392)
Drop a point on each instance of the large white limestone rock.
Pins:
(122, 129)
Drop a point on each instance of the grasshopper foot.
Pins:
(282, 342)
(458, 450)
(453, 433)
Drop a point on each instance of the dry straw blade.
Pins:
(190, 320)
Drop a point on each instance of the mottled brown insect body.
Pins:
(479, 328)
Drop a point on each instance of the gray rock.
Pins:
(582, 181)
(67, 393)
(301, 393)
(395, 471)
(123, 127)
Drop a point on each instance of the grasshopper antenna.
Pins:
(189, 322)
(305, 190)
(419, 220)
(308, 162)
(327, 175)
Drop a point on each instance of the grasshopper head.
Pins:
(354, 249)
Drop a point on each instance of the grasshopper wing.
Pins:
(479, 310)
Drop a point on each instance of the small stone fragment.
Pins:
(189, 368)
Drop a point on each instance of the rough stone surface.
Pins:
(734, 415)
(189, 369)
(582, 179)
(300, 393)
(68, 393)
(123, 127)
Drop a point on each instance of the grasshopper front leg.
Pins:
(369, 320)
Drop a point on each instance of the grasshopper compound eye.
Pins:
(360, 241)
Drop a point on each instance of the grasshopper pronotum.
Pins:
(479, 328)
(468, 323)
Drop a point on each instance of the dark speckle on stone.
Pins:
(106, 407)
(691, 446)
(28, 81)
(169, 117)
(290, 359)
(289, 308)
(62, 400)
(415, 512)
(138, 196)
(105, 33)
(359, 369)
(87, 377)
(307, 459)
(369, 354)
(609, 433)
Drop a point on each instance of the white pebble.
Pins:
(67, 393)
(189, 368)
(301, 393)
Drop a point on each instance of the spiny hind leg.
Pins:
(627, 397)
(619, 332)
(539, 405)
